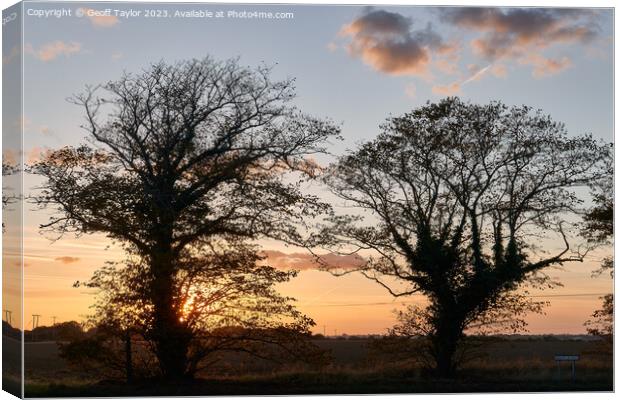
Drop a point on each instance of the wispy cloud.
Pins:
(543, 66)
(476, 73)
(305, 261)
(500, 38)
(99, 19)
(509, 31)
(12, 55)
(67, 259)
(447, 90)
(52, 50)
(36, 153)
(522, 34)
(410, 90)
(45, 130)
(9, 156)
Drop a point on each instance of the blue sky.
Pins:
(352, 64)
(330, 81)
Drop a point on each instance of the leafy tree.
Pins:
(8, 194)
(181, 156)
(229, 305)
(599, 220)
(61, 331)
(602, 322)
(463, 203)
(412, 337)
(7, 170)
(599, 229)
(102, 354)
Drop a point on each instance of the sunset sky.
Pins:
(352, 64)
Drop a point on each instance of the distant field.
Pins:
(508, 365)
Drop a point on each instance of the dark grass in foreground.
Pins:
(482, 376)
(505, 366)
(316, 383)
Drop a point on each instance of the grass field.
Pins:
(503, 366)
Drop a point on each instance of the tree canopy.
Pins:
(183, 158)
(463, 203)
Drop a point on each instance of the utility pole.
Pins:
(35, 323)
(54, 327)
(7, 316)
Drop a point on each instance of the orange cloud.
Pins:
(447, 90)
(521, 34)
(36, 154)
(9, 156)
(385, 41)
(545, 66)
(331, 46)
(304, 261)
(410, 90)
(13, 54)
(99, 19)
(446, 66)
(52, 50)
(45, 130)
(507, 30)
(67, 259)
(499, 70)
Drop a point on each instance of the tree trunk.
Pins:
(445, 365)
(170, 334)
(445, 342)
(128, 361)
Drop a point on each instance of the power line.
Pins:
(569, 295)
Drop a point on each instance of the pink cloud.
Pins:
(410, 90)
(52, 50)
(36, 154)
(447, 90)
(67, 259)
(305, 261)
(508, 30)
(522, 34)
(546, 66)
(13, 54)
(386, 42)
(99, 19)
(9, 156)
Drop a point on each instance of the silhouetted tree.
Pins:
(229, 304)
(412, 336)
(7, 170)
(8, 193)
(459, 200)
(599, 229)
(61, 331)
(599, 220)
(181, 156)
(602, 322)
